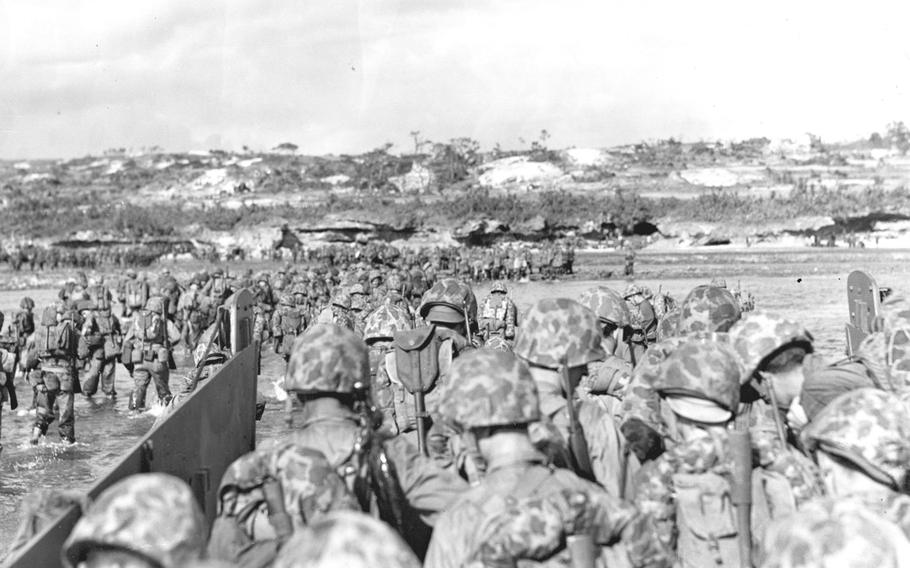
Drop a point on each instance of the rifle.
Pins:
(778, 423)
(171, 364)
(11, 383)
(578, 446)
(741, 493)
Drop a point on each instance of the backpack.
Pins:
(137, 293)
(705, 521)
(54, 339)
(150, 327)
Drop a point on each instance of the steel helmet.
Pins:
(760, 336)
(341, 300)
(668, 325)
(384, 321)
(559, 331)
(327, 358)
(896, 324)
(869, 428)
(701, 381)
(153, 515)
(155, 304)
(27, 303)
(607, 304)
(708, 308)
(393, 282)
(499, 287)
(346, 539)
(447, 301)
(489, 388)
(286, 299)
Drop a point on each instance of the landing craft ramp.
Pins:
(197, 442)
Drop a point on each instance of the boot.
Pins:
(36, 435)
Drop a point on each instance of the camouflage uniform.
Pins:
(490, 389)
(757, 338)
(266, 495)
(331, 361)
(711, 373)
(152, 516)
(349, 540)
(338, 313)
(149, 338)
(644, 320)
(288, 321)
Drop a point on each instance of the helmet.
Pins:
(870, 428)
(310, 484)
(896, 324)
(299, 289)
(153, 515)
(393, 282)
(668, 325)
(27, 303)
(490, 388)
(155, 304)
(286, 299)
(130, 273)
(447, 301)
(497, 343)
(384, 321)
(559, 331)
(607, 304)
(500, 287)
(760, 336)
(346, 538)
(341, 300)
(356, 289)
(327, 359)
(708, 308)
(374, 274)
(631, 290)
(834, 532)
(246, 472)
(700, 371)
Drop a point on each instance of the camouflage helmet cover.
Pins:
(869, 428)
(452, 293)
(760, 336)
(286, 299)
(631, 290)
(896, 323)
(155, 304)
(708, 308)
(607, 304)
(346, 539)
(703, 369)
(384, 321)
(499, 287)
(27, 303)
(668, 325)
(490, 388)
(559, 331)
(342, 300)
(393, 282)
(153, 515)
(834, 532)
(327, 358)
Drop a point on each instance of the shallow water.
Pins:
(808, 286)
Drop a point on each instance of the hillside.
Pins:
(667, 193)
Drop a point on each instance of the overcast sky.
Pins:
(79, 76)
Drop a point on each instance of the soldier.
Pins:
(147, 346)
(104, 338)
(288, 321)
(134, 293)
(558, 340)
(708, 309)
(860, 442)
(329, 373)
(52, 352)
(338, 312)
(687, 488)
(607, 381)
(498, 313)
(644, 320)
(268, 495)
(348, 539)
(148, 520)
(392, 399)
(492, 401)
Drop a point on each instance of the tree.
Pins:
(286, 147)
(898, 136)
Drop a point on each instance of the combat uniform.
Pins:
(497, 315)
(147, 345)
(102, 334)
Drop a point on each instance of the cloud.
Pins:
(348, 75)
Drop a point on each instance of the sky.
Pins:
(345, 76)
